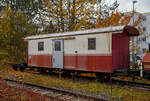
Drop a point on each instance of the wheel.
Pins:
(38, 69)
(103, 77)
(31, 69)
(42, 70)
(50, 71)
(15, 67)
(22, 68)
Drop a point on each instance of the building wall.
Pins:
(142, 41)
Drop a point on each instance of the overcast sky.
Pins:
(142, 6)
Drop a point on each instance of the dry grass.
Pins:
(137, 79)
(92, 87)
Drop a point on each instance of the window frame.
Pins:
(144, 18)
(41, 46)
(59, 46)
(90, 47)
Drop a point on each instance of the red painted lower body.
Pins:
(146, 69)
(146, 66)
(94, 63)
(40, 60)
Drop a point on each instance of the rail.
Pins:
(95, 97)
(137, 85)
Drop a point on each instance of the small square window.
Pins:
(40, 46)
(91, 43)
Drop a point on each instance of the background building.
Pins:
(143, 40)
(140, 45)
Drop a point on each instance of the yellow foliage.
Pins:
(77, 27)
(126, 19)
(115, 19)
(68, 15)
(140, 30)
(14, 26)
(138, 21)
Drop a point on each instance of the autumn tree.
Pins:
(33, 9)
(109, 16)
(14, 26)
(71, 14)
(105, 9)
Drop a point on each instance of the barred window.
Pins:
(40, 46)
(91, 43)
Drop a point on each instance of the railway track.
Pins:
(133, 84)
(65, 95)
(114, 80)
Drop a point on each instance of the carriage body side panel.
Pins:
(40, 58)
(77, 56)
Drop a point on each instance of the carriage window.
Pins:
(57, 46)
(144, 18)
(91, 43)
(40, 46)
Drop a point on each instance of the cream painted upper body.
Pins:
(77, 44)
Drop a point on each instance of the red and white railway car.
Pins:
(95, 50)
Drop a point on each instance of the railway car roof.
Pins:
(129, 29)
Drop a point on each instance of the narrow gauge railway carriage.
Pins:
(95, 50)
